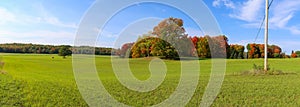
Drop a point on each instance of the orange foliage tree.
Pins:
(294, 55)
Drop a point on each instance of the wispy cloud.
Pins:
(42, 27)
(48, 18)
(227, 3)
(8, 17)
(282, 13)
(252, 12)
(294, 30)
(248, 11)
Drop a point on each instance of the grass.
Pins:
(39, 80)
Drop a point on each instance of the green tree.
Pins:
(65, 51)
(298, 53)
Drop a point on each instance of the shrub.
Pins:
(259, 70)
(277, 55)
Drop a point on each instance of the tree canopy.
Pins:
(65, 51)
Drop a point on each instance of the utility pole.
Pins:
(266, 36)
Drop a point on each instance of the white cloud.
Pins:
(282, 13)
(43, 24)
(8, 17)
(216, 3)
(249, 11)
(252, 12)
(294, 30)
(46, 17)
(227, 3)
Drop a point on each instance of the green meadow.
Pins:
(39, 80)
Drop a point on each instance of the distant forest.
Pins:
(44, 49)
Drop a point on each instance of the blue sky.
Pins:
(56, 21)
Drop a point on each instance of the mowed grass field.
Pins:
(39, 80)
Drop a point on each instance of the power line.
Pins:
(270, 4)
(262, 23)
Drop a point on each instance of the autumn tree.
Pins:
(194, 40)
(142, 48)
(164, 49)
(218, 45)
(257, 51)
(171, 30)
(294, 55)
(202, 47)
(276, 51)
(125, 50)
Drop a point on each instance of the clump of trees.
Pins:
(236, 52)
(257, 51)
(201, 47)
(153, 46)
(168, 40)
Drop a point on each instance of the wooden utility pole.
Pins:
(266, 36)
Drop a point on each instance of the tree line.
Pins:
(46, 49)
(169, 40)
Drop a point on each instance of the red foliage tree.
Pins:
(125, 50)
